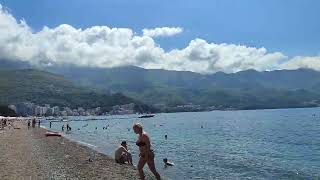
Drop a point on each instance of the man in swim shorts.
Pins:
(122, 154)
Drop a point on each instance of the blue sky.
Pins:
(289, 26)
(204, 36)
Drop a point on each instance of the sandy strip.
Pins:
(28, 154)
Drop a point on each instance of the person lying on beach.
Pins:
(146, 153)
(167, 163)
(122, 154)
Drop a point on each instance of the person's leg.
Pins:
(129, 158)
(141, 164)
(121, 160)
(152, 166)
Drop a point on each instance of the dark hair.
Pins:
(124, 143)
(165, 159)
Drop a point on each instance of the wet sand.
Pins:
(28, 154)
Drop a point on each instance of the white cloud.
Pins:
(204, 57)
(302, 62)
(102, 46)
(163, 31)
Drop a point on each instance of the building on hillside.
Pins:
(55, 111)
(123, 109)
(13, 107)
(25, 109)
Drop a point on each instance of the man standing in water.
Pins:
(146, 153)
(68, 127)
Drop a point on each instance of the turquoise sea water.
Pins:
(256, 144)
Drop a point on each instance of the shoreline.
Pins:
(148, 174)
(29, 154)
(224, 110)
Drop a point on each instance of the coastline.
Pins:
(242, 109)
(29, 154)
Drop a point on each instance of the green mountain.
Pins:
(6, 111)
(41, 88)
(243, 90)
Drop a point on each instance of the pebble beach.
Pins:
(29, 154)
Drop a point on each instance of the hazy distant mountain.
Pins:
(46, 88)
(11, 64)
(136, 79)
(243, 90)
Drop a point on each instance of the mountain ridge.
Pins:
(41, 87)
(243, 90)
(249, 89)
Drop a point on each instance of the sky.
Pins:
(202, 36)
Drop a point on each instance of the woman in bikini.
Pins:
(146, 153)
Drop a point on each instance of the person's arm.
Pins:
(147, 141)
(124, 150)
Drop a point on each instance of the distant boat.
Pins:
(147, 116)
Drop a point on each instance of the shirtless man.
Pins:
(122, 154)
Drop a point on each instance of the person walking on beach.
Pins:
(146, 153)
(29, 123)
(33, 122)
(122, 154)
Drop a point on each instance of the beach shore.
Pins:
(29, 154)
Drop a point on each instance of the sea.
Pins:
(244, 144)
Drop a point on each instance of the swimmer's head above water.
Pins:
(167, 163)
(165, 160)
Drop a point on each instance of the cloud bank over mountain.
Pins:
(102, 46)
